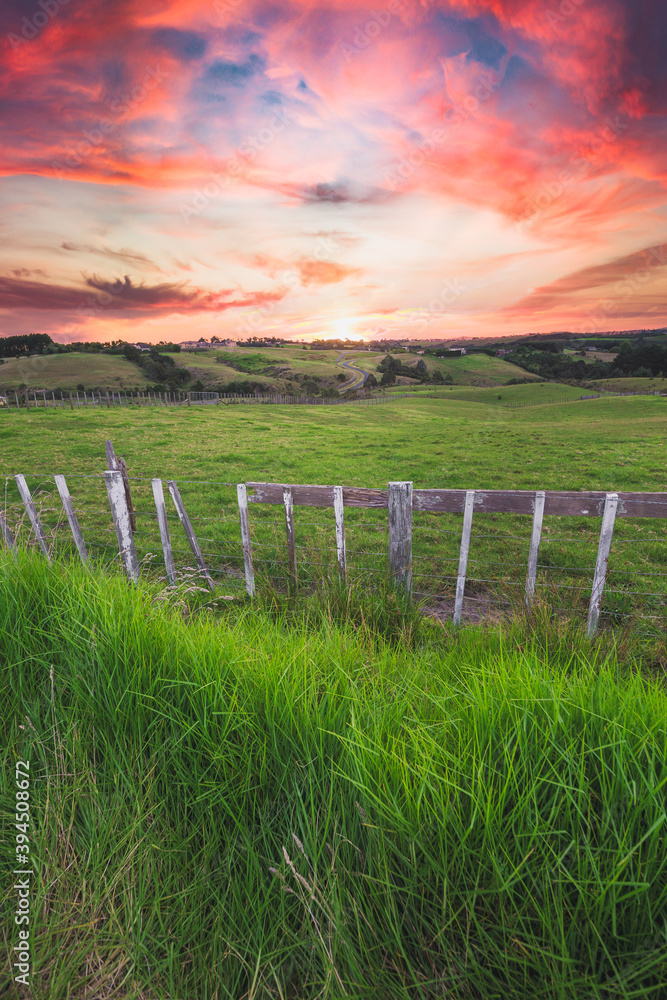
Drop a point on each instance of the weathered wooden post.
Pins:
(289, 529)
(71, 517)
(601, 565)
(339, 515)
(242, 497)
(121, 522)
(463, 555)
(158, 496)
(400, 532)
(187, 526)
(71, 402)
(536, 534)
(118, 464)
(32, 514)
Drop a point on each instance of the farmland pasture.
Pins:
(66, 371)
(466, 813)
(598, 444)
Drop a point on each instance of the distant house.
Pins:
(499, 354)
(458, 350)
(142, 347)
(194, 345)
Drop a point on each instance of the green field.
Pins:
(468, 369)
(505, 395)
(272, 366)
(600, 444)
(66, 371)
(630, 384)
(327, 793)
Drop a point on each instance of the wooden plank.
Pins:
(400, 532)
(536, 534)
(32, 514)
(242, 497)
(121, 522)
(187, 527)
(158, 496)
(463, 555)
(71, 517)
(316, 496)
(7, 536)
(339, 514)
(557, 502)
(602, 562)
(289, 529)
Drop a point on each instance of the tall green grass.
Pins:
(243, 803)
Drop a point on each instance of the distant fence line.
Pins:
(400, 500)
(109, 400)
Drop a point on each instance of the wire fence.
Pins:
(43, 400)
(491, 583)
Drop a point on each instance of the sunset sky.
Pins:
(172, 169)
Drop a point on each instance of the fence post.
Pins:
(187, 526)
(289, 528)
(32, 514)
(242, 497)
(7, 536)
(606, 532)
(339, 514)
(118, 465)
(463, 555)
(158, 496)
(400, 532)
(121, 522)
(71, 517)
(538, 515)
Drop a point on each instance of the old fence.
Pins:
(469, 554)
(48, 400)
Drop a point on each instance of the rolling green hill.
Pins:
(66, 371)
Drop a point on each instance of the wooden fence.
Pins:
(400, 500)
(43, 400)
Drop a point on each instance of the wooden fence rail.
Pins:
(401, 502)
(39, 400)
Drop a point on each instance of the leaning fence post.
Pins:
(32, 514)
(463, 555)
(400, 532)
(242, 497)
(187, 526)
(339, 514)
(71, 517)
(289, 528)
(606, 532)
(121, 522)
(116, 463)
(538, 516)
(158, 496)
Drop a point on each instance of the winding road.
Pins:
(356, 381)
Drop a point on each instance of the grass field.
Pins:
(275, 366)
(234, 806)
(601, 444)
(66, 371)
(469, 369)
(630, 384)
